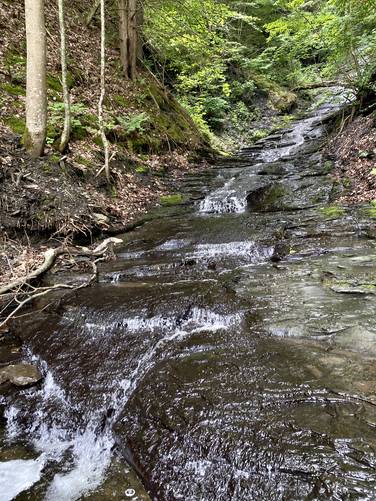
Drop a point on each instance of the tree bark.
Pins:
(123, 34)
(63, 56)
(103, 92)
(132, 39)
(36, 87)
(129, 19)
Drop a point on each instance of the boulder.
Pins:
(21, 375)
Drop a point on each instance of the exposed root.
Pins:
(21, 291)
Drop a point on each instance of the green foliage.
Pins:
(83, 123)
(14, 90)
(133, 123)
(324, 38)
(120, 100)
(196, 39)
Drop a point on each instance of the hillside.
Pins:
(153, 140)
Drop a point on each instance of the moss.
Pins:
(371, 212)
(54, 159)
(16, 124)
(259, 134)
(14, 90)
(328, 167)
(170, 200)
(79, 132)
(26, 138)
(333, 212)
(282, 100)
(83, 161)
(120, 100)
(144, 144)
(347, 183)
(142, 170)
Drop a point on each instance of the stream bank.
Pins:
(227, 353)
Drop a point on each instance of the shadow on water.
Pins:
(228, 353)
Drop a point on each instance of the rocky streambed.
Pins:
(228, 353)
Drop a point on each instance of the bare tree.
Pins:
(106, 166)
(63, 56)
(36, 87)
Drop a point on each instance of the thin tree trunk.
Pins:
(36, 87)
(63, 55)
(103, 92)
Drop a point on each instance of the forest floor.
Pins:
(354, 152)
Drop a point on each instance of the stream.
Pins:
(228, 353)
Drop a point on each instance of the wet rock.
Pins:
(371, 232)
(10, 347)
(281, 250)
(266, 198)
(354, 288)
(273, 169)
(189, 262)
(357, 338)
(20, 375)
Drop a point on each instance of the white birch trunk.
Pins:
(63, 56)
(103, 92)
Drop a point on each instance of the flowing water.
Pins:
(228, 353)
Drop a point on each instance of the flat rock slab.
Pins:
(20, 375)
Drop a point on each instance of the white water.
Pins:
(248, 250)
(18, 475)
(224, 200)
(89, 449)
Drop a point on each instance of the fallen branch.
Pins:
(50, 257)
(46, 290)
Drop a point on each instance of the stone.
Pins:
(21, 375)
(101, 219)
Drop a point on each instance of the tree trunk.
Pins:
(123, 34)
(129, 18)
(36, 87)
(63, 56)
(132, 39)
(140, 23)
(103, 92)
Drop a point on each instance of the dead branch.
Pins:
(46, 290)
(50, 257)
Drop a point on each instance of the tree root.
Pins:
(15, 289)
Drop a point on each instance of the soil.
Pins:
(354, 151)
